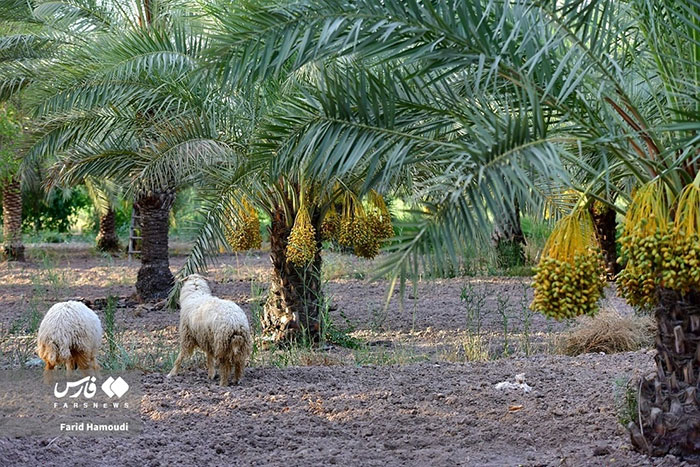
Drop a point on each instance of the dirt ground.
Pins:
(418, 389)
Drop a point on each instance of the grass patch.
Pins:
(608, 332)
(382, 356)
(134, 351)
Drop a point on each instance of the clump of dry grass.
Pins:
(609, 332)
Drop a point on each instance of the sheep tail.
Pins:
(63, 351)
(53, 353)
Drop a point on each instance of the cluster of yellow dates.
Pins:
(569, 278)
(245, 233)
(660, 249)
(362, 228)
(301, 244)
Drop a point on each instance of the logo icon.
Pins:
(115, 387)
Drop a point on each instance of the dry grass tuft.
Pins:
(608, 332)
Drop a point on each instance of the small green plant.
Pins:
(330, 333)
(626, 403)
(109, 313)
(502, 310)
(257, 297)
(526, 315)
(16, 326)
(378, 318)
(475, 345)
(50, 283)
(128, 355)
(29, 322)
(474, 302)
(34, 320)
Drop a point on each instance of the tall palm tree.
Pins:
(30, 43)
(584, 84)
(10, 133)
(124, 102)
(19, 43)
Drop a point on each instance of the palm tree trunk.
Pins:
(12, 248)
(293, 305)
(606, 228)
(508, 238)
(669, 403)
(154, 279)
(107, 239)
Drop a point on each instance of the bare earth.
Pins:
(408, 396)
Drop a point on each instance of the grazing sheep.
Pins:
(69, 334)
(218, 327)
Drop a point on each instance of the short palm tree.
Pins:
(104, 196)
(305, 207)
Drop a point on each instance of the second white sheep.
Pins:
(218, 327)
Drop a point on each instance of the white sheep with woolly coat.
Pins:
(218, 327)
(70, 334)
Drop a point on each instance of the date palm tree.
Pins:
(10, 134)
(265, 172)
(19, 43)
(122, 101)
(104, 196)
(30, 43)
(511, 91)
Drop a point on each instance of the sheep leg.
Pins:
(95, 366)
(48, 373)
(210, 366)
(85, 362)
(176, 365)
(70, 366)
(184, 352)
(186, 347)
(238, 371)
(225, 370)
(91, 367)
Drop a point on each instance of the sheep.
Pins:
(69, 334)
(218, 327)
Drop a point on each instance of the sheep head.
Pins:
(194, 284)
